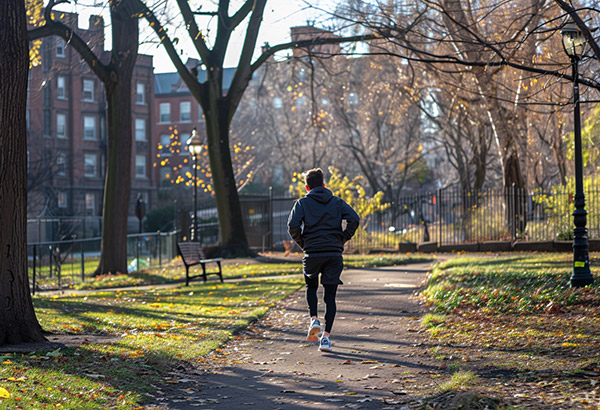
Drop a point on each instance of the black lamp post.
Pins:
(194, 144)
(574, 44)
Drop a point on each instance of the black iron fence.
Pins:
(447, 217)
(61, 264)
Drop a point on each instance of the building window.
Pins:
(140, 91)
(88, 90)
(140, 129)
(61, 164)
(61, 90)
(89, 128)
(165, 144)
(62, 199)
(140, 166)
(185, 111)
(90, 203)
(89, 165)
(61, 125)
(165, 112)
(60, 47)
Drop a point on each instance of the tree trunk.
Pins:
(231, 223)
(117, 185)
(18, 323)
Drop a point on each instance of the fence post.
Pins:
(82, 263)
(34, 256)
(159, 250)
(438, 203)
(51, 259)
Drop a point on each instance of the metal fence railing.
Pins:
(60, 264)
(447, 216)
(453, 216)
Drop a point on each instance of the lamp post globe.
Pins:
(194, 146)
(574, 44)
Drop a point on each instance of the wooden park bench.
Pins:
(192, 254)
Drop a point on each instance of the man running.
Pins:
(315, 224)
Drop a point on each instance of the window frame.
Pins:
(166, 114)
(141, 161)
(61, 95)
(90, 198)
(136, 129)
(142, 87)
(61, 164)
(85, 165)
(63, 134)
(91, 91)
(188, 112)
(60, 45)
(94, 128)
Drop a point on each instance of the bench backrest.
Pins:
(191, 252)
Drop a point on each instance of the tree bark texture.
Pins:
(18, 323)
(232, 233)
(117, 185)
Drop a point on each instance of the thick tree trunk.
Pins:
(117, 185)
(18, 323)
(231, 223)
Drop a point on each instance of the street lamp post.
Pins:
(574, 44)
(194, 144)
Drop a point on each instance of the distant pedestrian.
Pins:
(315, 224)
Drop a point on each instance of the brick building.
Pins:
(66, 124)
(176, 113)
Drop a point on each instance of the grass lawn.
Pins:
(239, 269)
(149, 335)
(154, 332)
(516, 323)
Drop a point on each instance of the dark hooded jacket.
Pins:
(315, 222)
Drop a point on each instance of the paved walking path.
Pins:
(271, 366)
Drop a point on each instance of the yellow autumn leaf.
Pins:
(4, 394)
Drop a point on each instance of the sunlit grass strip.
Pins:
(506, 284)
(154, 332)
(175, 272)
(461, 380)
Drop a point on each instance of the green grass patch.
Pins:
(506, 284)
(515, 318)
(431, 320)
(174, 271)
(461, 380)
(152, 332)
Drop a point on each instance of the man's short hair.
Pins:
(314, 178)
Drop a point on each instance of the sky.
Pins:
(279, 16)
